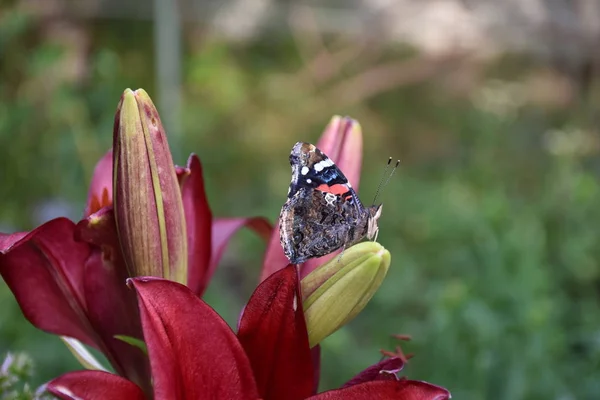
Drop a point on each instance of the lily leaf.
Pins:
(134, 342)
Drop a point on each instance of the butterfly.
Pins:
(322, 212)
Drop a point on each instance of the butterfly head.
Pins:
(372, 227)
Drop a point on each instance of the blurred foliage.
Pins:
(15, 371)
(491, 219)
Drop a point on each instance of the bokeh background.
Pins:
(492, 106)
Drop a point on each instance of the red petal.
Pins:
(77, 292)
(44, 270)
(113, 310)
(273, 333)
(101, 187)
(385, 369)
(100, 229)
(8, 240)
(380, 390)
(316, 360)
(117, 313)
(275, 259)
(198, 221)
(193, 353)
(94, 385)
(224, 228)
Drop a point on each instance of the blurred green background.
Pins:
(492, 218)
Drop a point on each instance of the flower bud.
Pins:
(147, 199)
(337, 291)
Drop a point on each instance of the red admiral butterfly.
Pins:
(322, 212)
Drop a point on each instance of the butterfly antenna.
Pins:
(391, 173)
(381, 180)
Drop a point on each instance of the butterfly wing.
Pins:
(322, 212)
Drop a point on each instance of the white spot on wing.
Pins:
(295, 303)
(321, 165)
(330, 198)
(289, 189)
(309, 180)
(349, 185)
(304, 170)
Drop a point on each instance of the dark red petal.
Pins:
(402, 389)
(9, 240)
(101, 187)
(100, 229)
(273, 333)
(94, 385)
(384, 369)
(112, 307)
(113, 310)
(316, 360)
(45, 271)
(275, 259)
(224, 228)
(193, 353)
(198, 219)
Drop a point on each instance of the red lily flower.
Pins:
(195, 355)
(162, 225)
(342, 142)
(78, 270)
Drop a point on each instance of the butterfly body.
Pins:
(323, 212)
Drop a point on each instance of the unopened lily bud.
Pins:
(147, 199)
(337, 291)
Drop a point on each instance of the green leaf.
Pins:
(134, 342)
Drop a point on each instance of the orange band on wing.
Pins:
(338, 188)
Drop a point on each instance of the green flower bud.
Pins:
(337, 291)
(147, 199)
